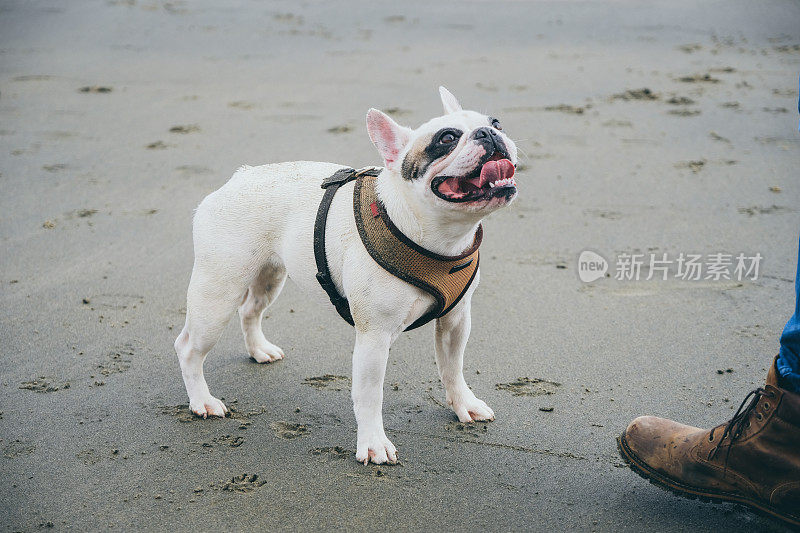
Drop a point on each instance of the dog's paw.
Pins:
(469, 408)
(208, 406)
(375, 447)
(266, 352)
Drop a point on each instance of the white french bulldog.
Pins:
(438, 183)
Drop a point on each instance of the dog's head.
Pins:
(461, 161)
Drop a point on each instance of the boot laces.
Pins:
(736, 425)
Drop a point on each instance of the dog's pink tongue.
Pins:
(496, 170)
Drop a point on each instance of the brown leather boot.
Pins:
(754, 459)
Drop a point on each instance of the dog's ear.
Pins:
(388, 137)
(449, 101)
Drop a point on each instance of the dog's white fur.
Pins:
(258, 228)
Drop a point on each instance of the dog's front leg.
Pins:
(369, 367)
(452, 332)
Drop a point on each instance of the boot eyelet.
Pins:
(711, 438)
(766, 406)
(758, 416)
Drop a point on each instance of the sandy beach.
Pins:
(644, 128)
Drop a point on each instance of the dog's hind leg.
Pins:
(261, 293)
(210, 302)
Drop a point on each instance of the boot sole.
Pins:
(696, 493)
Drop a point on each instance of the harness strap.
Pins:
(331, 184)
(447, 279)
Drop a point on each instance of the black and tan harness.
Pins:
(445, 278)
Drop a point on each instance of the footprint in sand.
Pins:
(95, 89)
(323, 382)
(698, 78)
(234, 441)
(636, 94)
(17, 448)
(680, 100)
(344, 128)
(758, 210)
(43, 384)
(241, 104)
(188, 128)
(34, 77)
(472, 429)
(241, 484)
(289, 430)
(118, 360)
(529, 387)
(332, 452)
(564, 108)
(684, 112)
(690, 48)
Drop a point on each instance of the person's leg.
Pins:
(752, 459)
(789, 358)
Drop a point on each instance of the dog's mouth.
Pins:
(493, 178)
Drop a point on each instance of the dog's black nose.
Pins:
(483, 133)
(490, 140)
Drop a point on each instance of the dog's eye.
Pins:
(496, 124)
(447, 138)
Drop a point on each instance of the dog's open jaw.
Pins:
(492, 179)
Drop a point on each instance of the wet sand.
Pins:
(660, 127)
